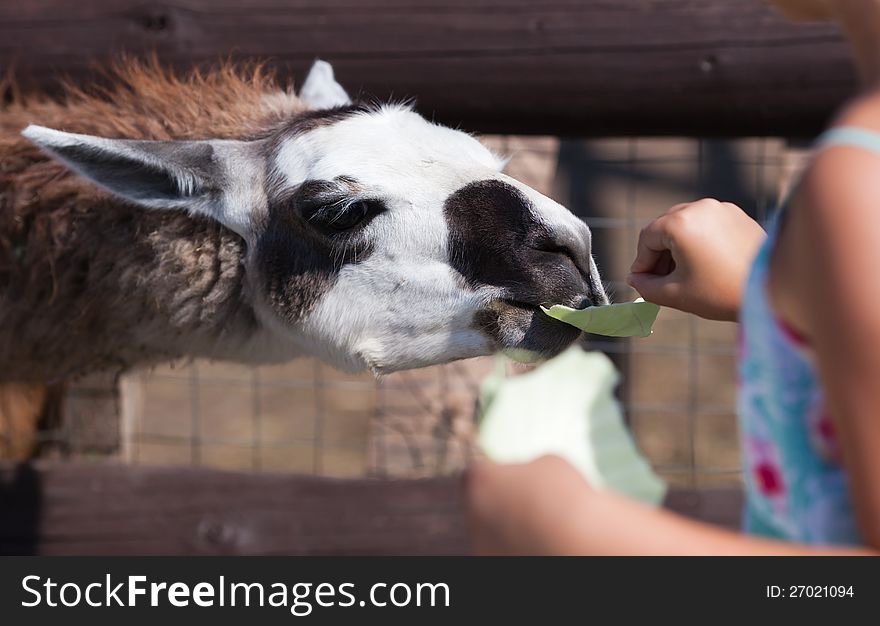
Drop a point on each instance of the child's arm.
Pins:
(545, 507)
(696, 258)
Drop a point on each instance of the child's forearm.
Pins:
(609, 524)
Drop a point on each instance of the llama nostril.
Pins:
(580, 261)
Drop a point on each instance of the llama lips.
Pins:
(520, 326)
(628, 319)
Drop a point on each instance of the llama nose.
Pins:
(573, 242)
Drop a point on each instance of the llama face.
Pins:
(376, 239)
(428, 252)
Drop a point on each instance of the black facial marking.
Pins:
(300, 259)
(297, 267)
(495, 240)
(336, 208)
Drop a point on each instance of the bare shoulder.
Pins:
(834, 222)
(843, 177)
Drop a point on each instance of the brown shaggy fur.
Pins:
(88, 281)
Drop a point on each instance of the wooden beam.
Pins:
(600, 68)
(83, 508)
(106, 509)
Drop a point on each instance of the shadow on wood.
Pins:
(106, 509)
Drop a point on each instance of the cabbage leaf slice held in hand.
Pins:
(628, 319)
(566, 407)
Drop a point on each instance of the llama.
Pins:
(220, 215)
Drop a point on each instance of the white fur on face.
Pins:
(403, 306)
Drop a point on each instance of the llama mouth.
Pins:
(579, 303)
(519, 304)
(518, 325)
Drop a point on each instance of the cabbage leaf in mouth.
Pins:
(627, 319)
(566, 407)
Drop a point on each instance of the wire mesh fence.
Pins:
(678, 386)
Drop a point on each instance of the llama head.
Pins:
(375, 239)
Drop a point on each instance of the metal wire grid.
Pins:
(677, 387)
(690, 435)
(303, 417)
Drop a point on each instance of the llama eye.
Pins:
(350, 215)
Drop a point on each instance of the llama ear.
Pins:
(197, 176)
(320, 89)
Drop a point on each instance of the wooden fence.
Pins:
(104, 509)
(564, 67)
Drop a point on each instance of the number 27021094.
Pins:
(810, 591)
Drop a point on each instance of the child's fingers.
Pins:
(653, 243)
(662, 290)
(665, 264)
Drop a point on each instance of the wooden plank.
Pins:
(630, 67)
(81, 508)
(106, 509)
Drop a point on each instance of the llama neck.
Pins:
(111, 286)
(200, 300)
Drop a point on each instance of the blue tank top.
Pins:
(796, 487)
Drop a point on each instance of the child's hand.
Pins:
(696, 258)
